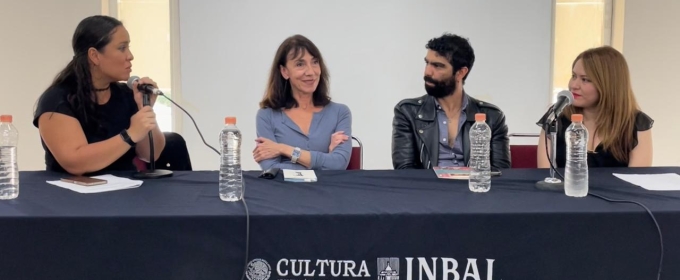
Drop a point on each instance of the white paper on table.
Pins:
(653, 182)
(113, 183)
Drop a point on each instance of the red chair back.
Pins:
(523, 156)
(356, 159)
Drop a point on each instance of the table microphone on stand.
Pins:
(152, 172)
(550, 126)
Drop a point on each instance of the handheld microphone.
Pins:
(144, 88)
(564, 98)
(152, 172)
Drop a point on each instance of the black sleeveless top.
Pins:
(600, 157)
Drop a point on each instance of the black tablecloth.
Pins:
(349, 223)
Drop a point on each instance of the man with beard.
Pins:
(433, 130)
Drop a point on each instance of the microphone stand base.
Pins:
(153, 174)
(550, 184)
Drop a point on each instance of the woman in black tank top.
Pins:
(620, 134)
(88, 121)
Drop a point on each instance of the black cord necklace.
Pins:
(103, 89)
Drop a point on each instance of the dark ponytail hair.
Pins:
(76, 77)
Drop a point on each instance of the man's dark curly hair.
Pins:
(456, 49)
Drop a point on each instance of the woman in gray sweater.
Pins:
(298, 126)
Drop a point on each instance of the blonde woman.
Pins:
(620, 134)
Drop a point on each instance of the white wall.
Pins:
(37, 36)
(374, 54)
(651, 45)
(36, 45)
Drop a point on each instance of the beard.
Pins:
(440, 89)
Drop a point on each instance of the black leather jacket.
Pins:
(415, 133)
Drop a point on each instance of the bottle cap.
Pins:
(6, 118)
(480, 117)
(576, 118)
(230, 120)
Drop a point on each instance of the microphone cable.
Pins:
(658, 228)
(243, 200)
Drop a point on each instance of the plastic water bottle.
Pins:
(9, 170)
(231, 178)
(480, 140)
(576, 170)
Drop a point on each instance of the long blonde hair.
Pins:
(617, 108)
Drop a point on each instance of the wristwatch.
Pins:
(296, 155)
(126, 138)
